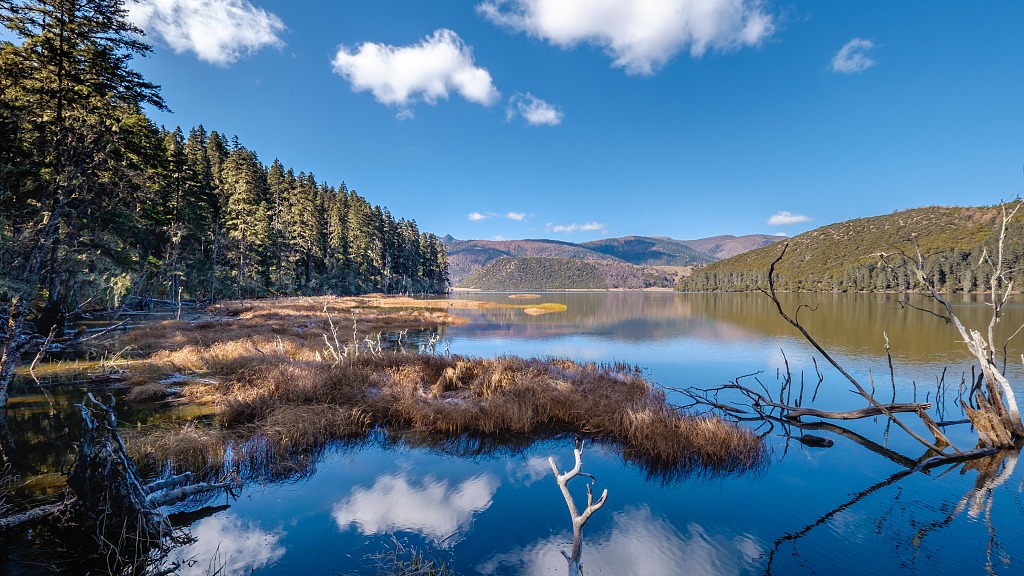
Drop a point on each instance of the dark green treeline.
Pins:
(98, 203)
(227, 225)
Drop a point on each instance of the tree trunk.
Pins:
(14, 345)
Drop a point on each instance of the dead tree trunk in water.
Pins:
(996, 416)
(15, 342)
(106, 498)
(578, 519)
(994, 413)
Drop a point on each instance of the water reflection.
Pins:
(228, 546)
(637, 543)
(529, 471)
(849, 323)
(916, 521)
(429, 506)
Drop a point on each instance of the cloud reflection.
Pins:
(228, 546)
(429, 507)
(528, 471)
(637, 543)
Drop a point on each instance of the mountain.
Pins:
(540, 273)
(467, 256)
(722, 247)
(844, 257)
(643, 250)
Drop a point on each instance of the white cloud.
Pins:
(640, 35)
(569, 228)
(517, 216)
(478, 216)
(784, 218)
(234, 546)
(780, 234)
(403, 75)
(535, 111)
(852, 57)
(429, 507)
(637, 544)
(218, 31)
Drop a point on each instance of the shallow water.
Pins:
(842, 510)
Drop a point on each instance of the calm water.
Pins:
(842, 510)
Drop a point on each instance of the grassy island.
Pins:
(298, 373)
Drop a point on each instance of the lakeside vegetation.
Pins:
(268, 369)
(844, 257)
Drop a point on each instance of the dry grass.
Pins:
(193, 447)
(147, 392)
(272, 377)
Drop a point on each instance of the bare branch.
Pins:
(860, 389)
(578, 519)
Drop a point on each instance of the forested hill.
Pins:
(97, 202)
(843, 257)
(539, 273)
(468, 256)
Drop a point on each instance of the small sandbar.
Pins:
(524, 296)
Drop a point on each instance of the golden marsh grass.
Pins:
(272, 371)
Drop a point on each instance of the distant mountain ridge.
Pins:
(648, 251)
(468, 256)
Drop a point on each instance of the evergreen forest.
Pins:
(98, 204)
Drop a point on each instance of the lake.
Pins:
(840, 510)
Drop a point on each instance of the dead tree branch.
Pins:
(578, 519)
(810, 339)
(997, 416)
(107, 500)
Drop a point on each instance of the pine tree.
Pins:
(69, 90)
(70, 126)
(246, 221)
(201, 215)
(280, 218)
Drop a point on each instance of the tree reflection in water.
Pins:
(993, 471)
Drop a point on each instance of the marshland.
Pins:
(424, 432)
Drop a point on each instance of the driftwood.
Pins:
(996, 415)
(106, 498)
(868, 412)
(574, 558)
(860, 389)
(38, 513)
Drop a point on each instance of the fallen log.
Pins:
(794, 413)
(8, 522)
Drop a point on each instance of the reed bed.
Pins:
(274, 374)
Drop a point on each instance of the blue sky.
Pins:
(583, 119)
